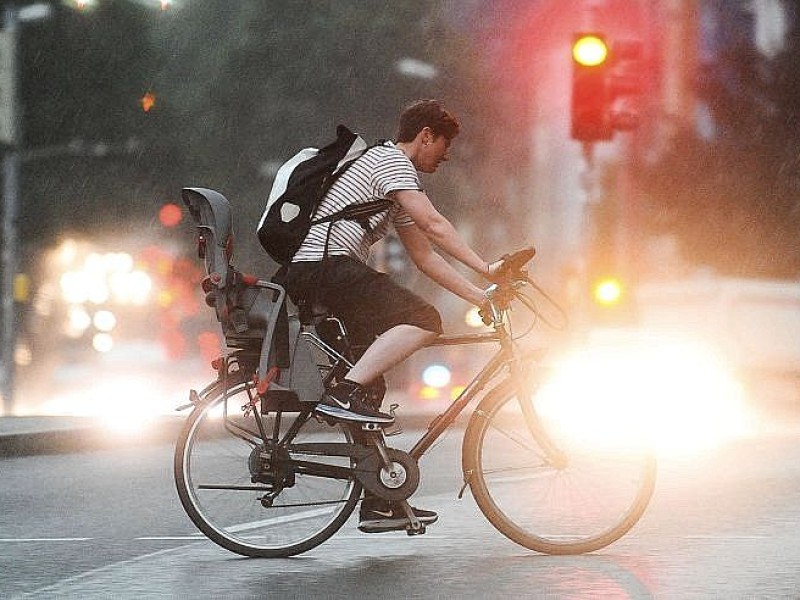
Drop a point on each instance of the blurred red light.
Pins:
(148, 101)
(170, 215)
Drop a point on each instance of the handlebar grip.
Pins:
(513, 262)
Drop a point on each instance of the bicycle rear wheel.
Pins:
(226, 482)
(582, 498)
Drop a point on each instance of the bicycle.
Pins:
(262, 476)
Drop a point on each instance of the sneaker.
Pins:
(347, 401)
(379, 516)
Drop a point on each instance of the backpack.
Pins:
(299, 186)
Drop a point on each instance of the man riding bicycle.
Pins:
(388, 320)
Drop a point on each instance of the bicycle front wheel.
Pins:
(241, 490)
(548, 493)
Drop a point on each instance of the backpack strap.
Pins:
(357, 212)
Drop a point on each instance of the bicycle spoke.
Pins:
(301, 504)
(514, 468)
(238, 488)
(585, 502)
(527, 443)
(227, 477)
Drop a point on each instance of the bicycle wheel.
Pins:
(583, 500)
(235, 497)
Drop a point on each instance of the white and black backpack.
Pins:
(300, 185)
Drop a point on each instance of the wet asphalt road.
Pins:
(108, 524)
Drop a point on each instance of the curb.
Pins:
(47, 442)
(91, 438)
(73, 440)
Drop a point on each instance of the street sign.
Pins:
(8, 94)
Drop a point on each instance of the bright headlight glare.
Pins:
(674, 396)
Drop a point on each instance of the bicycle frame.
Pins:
(503, 356)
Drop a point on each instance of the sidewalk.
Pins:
(36, 435)
(25, 436)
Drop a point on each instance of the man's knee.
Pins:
(429, 319)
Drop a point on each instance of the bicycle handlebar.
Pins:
(514, 264)
(508, 276)
(507, 280)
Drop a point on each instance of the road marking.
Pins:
(726, 537)
(74, 539)
(60, 588)
(194, 536)
(309, 514)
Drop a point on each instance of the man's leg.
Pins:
(371, 303)
(389, 349)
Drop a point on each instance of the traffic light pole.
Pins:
(11, 137)
(10, 204)
(10, 251)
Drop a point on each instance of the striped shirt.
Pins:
(379, 172)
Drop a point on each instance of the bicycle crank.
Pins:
(394, 477)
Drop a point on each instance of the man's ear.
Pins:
(426, 135)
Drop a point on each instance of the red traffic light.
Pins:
(604, 76)
(589, 91)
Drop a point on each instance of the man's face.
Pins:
(434, 151)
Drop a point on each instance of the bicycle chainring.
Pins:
(394, 484)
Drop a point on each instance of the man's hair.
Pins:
(426, 113)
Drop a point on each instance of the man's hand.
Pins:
(510, 265)
(492, 269)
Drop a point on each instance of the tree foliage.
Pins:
(734, 199)
(239, 87)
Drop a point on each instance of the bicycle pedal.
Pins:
(411, 531)
(325, 420)
(394, 430)
(373, 426)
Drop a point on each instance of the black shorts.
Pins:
(369, 302)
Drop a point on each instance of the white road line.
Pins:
(14, 540)
(309, 514)
(195, 536)
(61, 587)
(726, 537)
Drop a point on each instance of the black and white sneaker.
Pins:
(347, 401)
(379, 516)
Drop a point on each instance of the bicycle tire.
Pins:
(213, 476)
(574, 508)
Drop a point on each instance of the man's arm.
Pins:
(421, 252)
(438, 230)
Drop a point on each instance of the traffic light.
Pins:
(612, 303)
(603, 76)
(607, 292)
(625, 80)
(589, 62)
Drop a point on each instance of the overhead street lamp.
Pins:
(411, 67)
